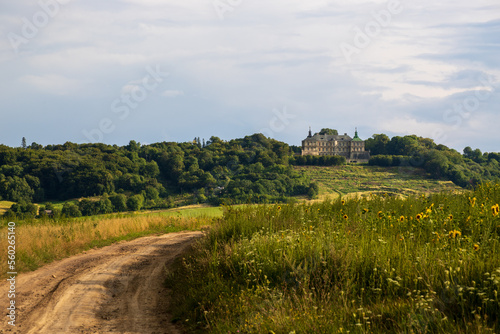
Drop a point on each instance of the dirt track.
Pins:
(115, 289)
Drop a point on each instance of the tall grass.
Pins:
(373, 265)
(40, 242)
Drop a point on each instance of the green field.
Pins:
(5, 206)
(191, 211)
(351, 179)
(375, 264)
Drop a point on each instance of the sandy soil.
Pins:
(115, 289)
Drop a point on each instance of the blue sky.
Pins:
(162, 70)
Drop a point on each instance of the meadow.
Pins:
(372, 264)
(41, 241)
(5, 206)
(356, 179)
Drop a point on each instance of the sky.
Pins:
(162, 70)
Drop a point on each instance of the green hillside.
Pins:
(253, 169)
(5, 206)
(355, 179)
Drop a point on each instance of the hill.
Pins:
(253, 169)
(359, 179)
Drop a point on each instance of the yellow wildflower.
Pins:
(495, 210)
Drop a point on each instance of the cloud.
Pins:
(172, 93)
(263, 55)
(53, 84)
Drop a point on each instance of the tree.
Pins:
(135, 202)
(16, 189)
(22, 209)
(468, 152)
(35, 146)
(71, 210)
(377, 145)
(119, 202)
(87, 207)
(313, 190)
(406, 145)
(214, 140)
(151, 169)
(104, 205)
(329, 132)
(152, 193)
(23, 143)
(133, 146)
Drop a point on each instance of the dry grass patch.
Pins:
(44, 242)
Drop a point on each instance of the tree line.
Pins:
(465, 169)
(251, 169)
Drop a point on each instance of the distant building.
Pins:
(353, 149)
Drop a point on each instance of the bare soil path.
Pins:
(115, 289)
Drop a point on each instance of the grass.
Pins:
(378, 264)
(360, 179)
(194, 211)
(5, 206)
(40, 242)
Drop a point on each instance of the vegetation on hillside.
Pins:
(94, 179)
(381, 264)
(467, 169)
(252, 169)
(362, 180)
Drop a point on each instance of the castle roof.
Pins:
(318, 137)
(356, 137)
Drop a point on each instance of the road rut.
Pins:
(115, 289)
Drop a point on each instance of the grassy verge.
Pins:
(41, 242)
(381, 264)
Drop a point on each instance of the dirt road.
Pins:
(115, 289)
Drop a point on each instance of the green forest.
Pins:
(253, 169)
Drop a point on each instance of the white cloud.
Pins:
(53, 84)
(263, 55)
(172, 93)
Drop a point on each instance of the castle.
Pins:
(353, 149)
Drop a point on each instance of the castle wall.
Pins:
(320, 145)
